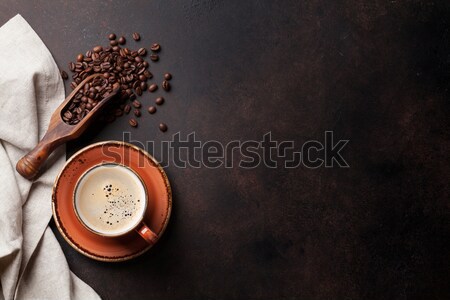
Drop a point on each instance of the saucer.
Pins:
(106, 248)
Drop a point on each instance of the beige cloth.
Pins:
(32, 265)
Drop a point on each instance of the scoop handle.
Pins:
(29, 165)
(59, 132)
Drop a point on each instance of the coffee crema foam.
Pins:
(110, 199)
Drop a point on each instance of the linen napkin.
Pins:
(32, 264)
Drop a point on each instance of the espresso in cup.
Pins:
(110, 200)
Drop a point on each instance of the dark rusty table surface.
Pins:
(373, 72)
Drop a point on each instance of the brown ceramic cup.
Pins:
(111, 200)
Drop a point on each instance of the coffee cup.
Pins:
(111, 200)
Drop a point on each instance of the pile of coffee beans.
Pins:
(86, 99)
(118, 64)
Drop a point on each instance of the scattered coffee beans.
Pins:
(148, 74)
(136, 36)
(118, 112)
(97, 49)
(64, 75)
(142, 51)
(133, 122)
(153, 87)
(166, 85)
(118, 65)
(155, 47)
(127, 109)
(154, 57)
(136, 104)
(163, 127)
(151, 109)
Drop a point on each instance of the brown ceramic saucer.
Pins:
(107, 248)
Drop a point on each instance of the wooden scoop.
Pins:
(59, 132)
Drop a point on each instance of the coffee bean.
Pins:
(154, 57)
(118, 112)
(143, 85)
(136, 104)
(97, 49)
(133, 122)
(72, 66)
(137, 112)
(136, 36)
(112, 36)
(155, 47)
(64, 75)
(166, 85)
(159, 100)
(80, 57)
(148, 74)
(122, 40)
(68, 115)
(127, 109)
(153, 87)
(110, 118)
(105, 66)
(151, 109)
(138, 90)
(113, 43)
(142, 51)
(163, 127)
(167, 76)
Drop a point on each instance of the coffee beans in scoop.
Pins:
(118, 64)
(155, 47)
(86, 99)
